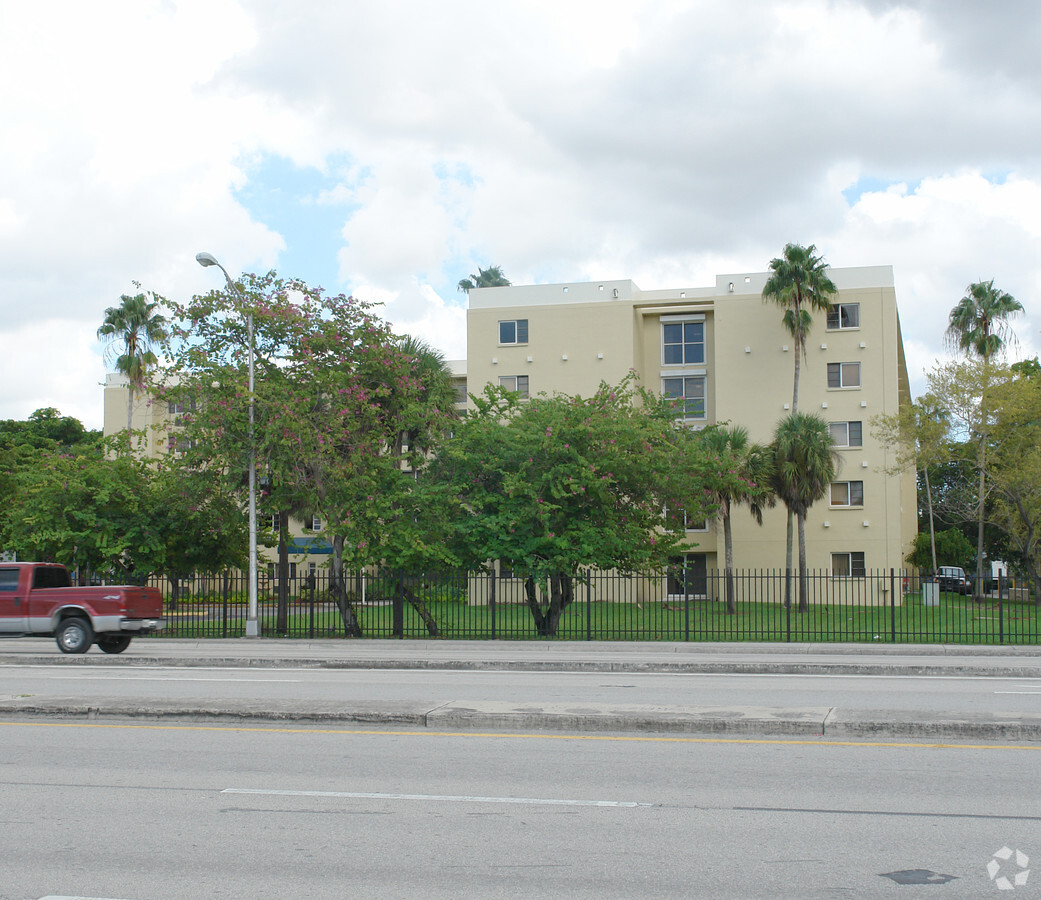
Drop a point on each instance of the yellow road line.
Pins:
(649, 739)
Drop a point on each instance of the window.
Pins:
(678, 516)
(272, 572)
(844, 375)
(847, 434)
(848, 565)
(460, 393)
(276, 522)
(513, 331)
(516, 383)
(689, 393)
(316, 523)
(8, 579)
(843, 315)
(683, 343)
(847, 493)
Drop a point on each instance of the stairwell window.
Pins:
(843, 315)
(513, 331)
(847, 493)
(848, 565)
(688, 395)
(682, 340)
(844, 375)
(516, 383)
(847, 434)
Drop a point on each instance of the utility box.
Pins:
(930, 593)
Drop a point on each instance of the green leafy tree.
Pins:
(132, 330)
(490, 277)
(81, 509)
(554, 485)
(978, 326)
(805, 463)
(334, 392)
(919, 433)
(951, 547)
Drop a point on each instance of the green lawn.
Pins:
(956, 620)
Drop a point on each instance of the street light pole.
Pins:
(252, 622)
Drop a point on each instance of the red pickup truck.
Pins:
(38, 599)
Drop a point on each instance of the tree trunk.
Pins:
(175, 591)
(338, 589)
(804, 602)
(728, 544)
(419, 606)
(130, 410)
(561, 595)
(282, 617)
(932, 524)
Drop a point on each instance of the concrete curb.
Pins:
(504, 717)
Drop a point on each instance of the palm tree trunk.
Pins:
(932, 523)
(804, 603)
(130, 409)
(788, 563)
(728, 544)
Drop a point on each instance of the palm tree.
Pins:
(490, 277)
(978, 325)
(799, 284)
(805, 463)
(745, 470)
(131, 330)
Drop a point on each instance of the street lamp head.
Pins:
(206, 259)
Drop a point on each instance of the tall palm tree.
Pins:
(799, 284)
(805, 463)
(437, 405)
(131, 331)
(978, 326)
(750, 468)
(490, 277)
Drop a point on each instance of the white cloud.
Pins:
(662, 140)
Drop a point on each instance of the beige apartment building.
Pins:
(727, 355)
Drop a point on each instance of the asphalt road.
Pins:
(147, 811)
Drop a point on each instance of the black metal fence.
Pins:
(669, 605)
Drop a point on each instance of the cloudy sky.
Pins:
(387, 149)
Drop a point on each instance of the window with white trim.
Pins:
(516, 383)
(847, 493)
(844, 375)
(678, 515)
(848, 565)
(513, 331)
(847, 434)
(276, 522)
(683, 342)
(843, 315)
(687, 393)
(316, 523)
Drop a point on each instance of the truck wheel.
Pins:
(74, 635)
(114, 643)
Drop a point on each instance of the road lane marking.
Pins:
(617, 738)
(167, 678)
(445, 798)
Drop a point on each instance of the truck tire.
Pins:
(74, 635)
(114, 643)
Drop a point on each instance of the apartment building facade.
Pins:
(727, 355)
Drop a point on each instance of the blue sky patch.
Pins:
(294, 201)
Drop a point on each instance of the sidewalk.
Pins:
(819, 659)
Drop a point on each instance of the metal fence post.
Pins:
(1001, 615)
(491, 599)
(686, 602)
(788, 604)
(892, 605)
(589, 606)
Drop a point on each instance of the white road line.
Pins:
(1017, 692)
(123, 677)
(361, 795)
